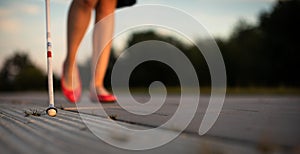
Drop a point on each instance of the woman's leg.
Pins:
(103, 33)
(78, 21)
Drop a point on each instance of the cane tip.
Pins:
(51, 112)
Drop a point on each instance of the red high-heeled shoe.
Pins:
(110, 98)
(72, 95)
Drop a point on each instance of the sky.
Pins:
(22, 23)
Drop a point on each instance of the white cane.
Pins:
(51, 110)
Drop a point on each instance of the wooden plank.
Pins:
(67, 133)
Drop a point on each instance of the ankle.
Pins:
(99, 90)
(68, 67)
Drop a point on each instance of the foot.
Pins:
(102, 95)
(102, 91)
(69, 81)
(71, 87)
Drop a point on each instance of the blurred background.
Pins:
(257, 38)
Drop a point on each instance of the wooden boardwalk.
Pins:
(247, 124)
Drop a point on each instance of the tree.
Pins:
(266, 54)
(19, 73)
(281, 42)
(150, 71)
